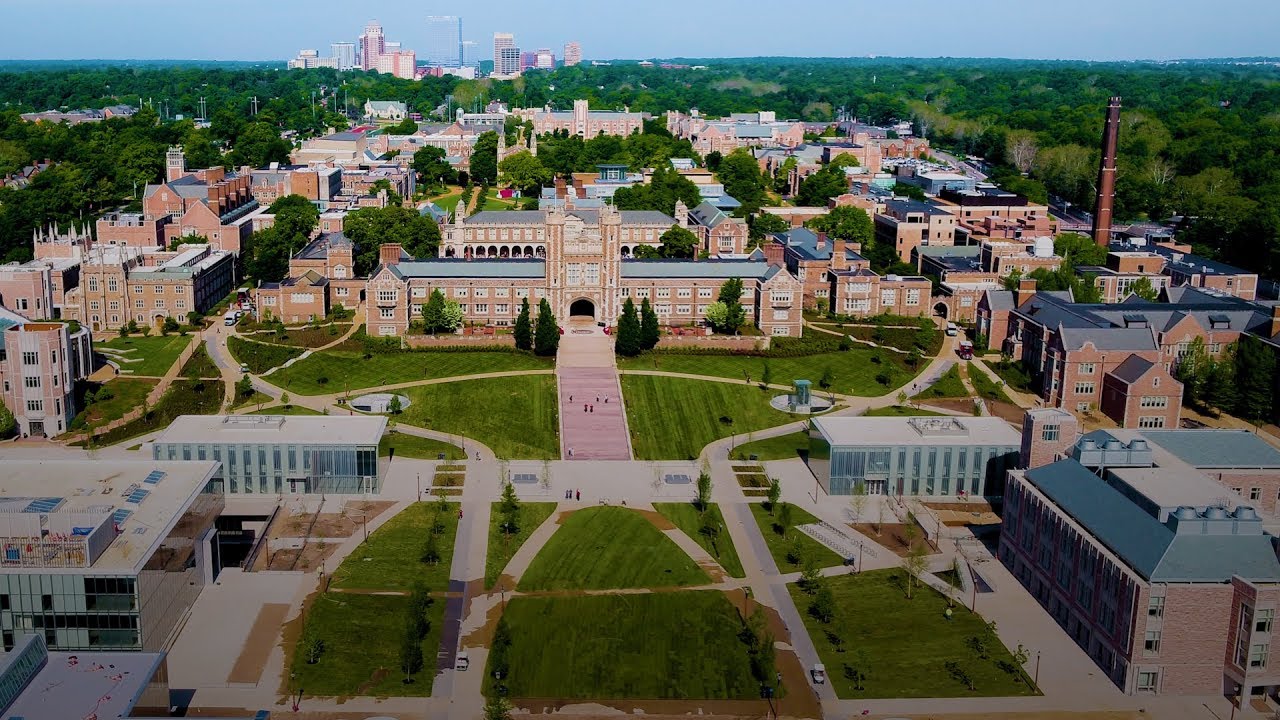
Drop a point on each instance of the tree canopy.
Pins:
(369, 228)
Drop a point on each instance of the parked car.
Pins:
(244, 368)
(952, 330)
(462, 661)
(965, 351)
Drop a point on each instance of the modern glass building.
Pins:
(280, 455)
(444, 41)
(104, 555)
(920, 456)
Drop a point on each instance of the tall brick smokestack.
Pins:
(1107, 176)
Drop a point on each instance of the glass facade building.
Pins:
(926, 457)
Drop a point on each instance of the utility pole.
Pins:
(202, 108)
(254, 101)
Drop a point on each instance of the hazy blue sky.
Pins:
(276, 29)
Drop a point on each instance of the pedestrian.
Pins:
(570, 452)
(579, 494)
(597, 398)
(459, 513)
(606, 399)
(477, 457)
(570, 398)
(593, 408)
(584, 407)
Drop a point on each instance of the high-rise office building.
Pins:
(391, 46)
(444, 41)
(528, 60)
(372, 46)
(544, 59)
(345, 54)
(506, 56)
(572, 54)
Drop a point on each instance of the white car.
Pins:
(819, 674)
(462, 661)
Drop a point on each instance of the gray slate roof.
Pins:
(708, 269)
(1132, 369)
(519, 269)
(1110, 338)
(1218, 449)
(1145, 544)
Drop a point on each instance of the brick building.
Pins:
(40, 364)
(761, 129)
(582, 121)
(719, 233)
(1145, 565)
(837, 279)
(989, 212)
(908, 224)
(1124, 268)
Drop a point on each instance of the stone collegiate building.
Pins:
(580, 261)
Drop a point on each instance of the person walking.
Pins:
(579, 494)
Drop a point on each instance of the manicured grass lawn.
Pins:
(898, 411)
(985, 386)
(778, 545)
(515, 416)
(412, 446)
(260, 357)
(286, 410)
(151, 356)
(305, 337)
(686, 517)
(783, 447)
(200, 365)
(1012, 373)
(947, 386)
(343, 370)
(903, 645)
(184, 397)
(390, 558)
(503, 547)
(251, 401)
(126, 394)
(853, 371)
(660, 645)
(491, 201)
(609, 547)
(361, 635)
(674, 418)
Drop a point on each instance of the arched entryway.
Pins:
(582, 309)
(942, 310)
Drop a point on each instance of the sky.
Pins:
(277, 29)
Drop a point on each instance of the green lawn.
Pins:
(779, 545)
(150, 356)
(503, 547)
(610, 547)
(985, 386)
(391, 558)
(305, 337)
(184, 397)
(336, 371)
(260, 357)
(200, 365)
(783, 447)
(515, 416)
(853, 372)
(903, 645)
(491, 201)
(412, 446)
(686, 517)
(681, 645)
(674, 418)
(1013, 373)
(124, 394)
(948, 386)
(361, 635)
(898, 411)
(286, 410)
(251, 401)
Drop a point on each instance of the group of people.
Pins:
(590, 407)
(573, 495)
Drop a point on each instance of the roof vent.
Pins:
(1216, 513)
(1088, 444)
(1185, 513)
(1138, 445)
(1113, 444)
(1244, 512)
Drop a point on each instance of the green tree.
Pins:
(408, 126)
(774, 494)
(312, 644)
(431, 550)
(650, 333)
(1193, 371)
(453, 315)
(846, 223)
(1254, 373)
(433, 312)
(410, 652)
(742, 179)
(525, 172)
(484, 159)
(627, 340)
(1079, 249)
(259, 144)
(704, 491)
(372, 227)
(432, 167)
(1143, 288)
(734, 314)
(8, 424)
(823, 606)
(761, 225)
(785, 518)
(823, 185)
(524, 327)
(546, 336)
(394, 406)
(497, 708)
(664, 188)
(678, 243)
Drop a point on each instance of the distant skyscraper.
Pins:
(391, 46)
(505, 63)
(572, 54)
(528, 60)
(372, 46)
(345, 54)
(544, 59)
(444, 41)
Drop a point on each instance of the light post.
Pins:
(777, 687)
(1037, 677)
(419, 487)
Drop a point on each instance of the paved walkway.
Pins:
(593, 420)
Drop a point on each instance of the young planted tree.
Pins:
(916, 562)
(704, 491)
(431, 550)
(546, 337)
(524, 327)
(649, 330)
(497, 708)
(410, 652)
(774, 494)
(312, 645)
(784, 518)
(627, 341)
(395, 407)
(823, 606)
(731, 296)
(858, 501)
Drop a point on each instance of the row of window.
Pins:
(138, 304)
(113, 285)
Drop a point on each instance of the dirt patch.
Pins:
(290, 559)
(964, 514)
(1008, 412)
(290, 633)
(658, 520)
(472, 589)
(753, 480)
(378, 676)
(892, 536)
(483, 635)
(961, 406)
(341, 524)
(253, 656)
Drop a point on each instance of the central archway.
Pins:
(582, 308)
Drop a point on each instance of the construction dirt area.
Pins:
(301, 539)
(976, 512)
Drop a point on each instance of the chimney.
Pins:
(1275, 320)
(389, 253)
(839, 261)
(1107, 176)
(822, 241)
(1026, 290)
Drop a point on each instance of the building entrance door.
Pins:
(37, 428)
(875, 487)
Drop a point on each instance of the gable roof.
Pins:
(1132, 369)
(720, 269)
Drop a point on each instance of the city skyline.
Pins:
(1095, 30)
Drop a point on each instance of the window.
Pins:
(180, 304)
(1155, 607)
(30, 358)
(35, 406)
(966, 301)
(179, 289)
(780, 298)
(1258, 655)
(159, 303)
(1085, 388)
(1256, 494)
(1050, 433)
(573, 273)
(888, 297)
(1151, 645)
(31, 382)
(94, 305)
(386, 329)
(481, 292)
(913, 297)
(419, 292)
(1154, 401)
(781, 330)
(460, 292)
(1087, 368)
(342, 292)
(664, 292)
(704, 293)
(502, 309)
(140, 304)
(502, 292)
(93, 285)
(1262, 620)
(684, 293)
(684, 310)
(663, 308)
(1147, 421)
(482, 308)
(1242, 633)
(386, 296)
(137, 289)
(113, 285)
(387, 313)
(1147, 680)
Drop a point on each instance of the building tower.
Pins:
(444, 41)
(175, 164)
(502, 64)
(344, 53)
(572, 54)
(1107, 176)
(372, 46)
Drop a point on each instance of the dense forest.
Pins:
(1199, 141)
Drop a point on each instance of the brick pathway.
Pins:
(586, 376)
